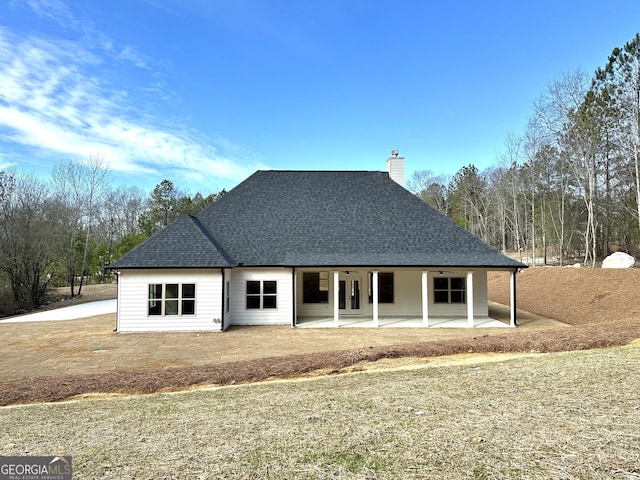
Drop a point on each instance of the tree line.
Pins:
(567, 188)
(64, 232)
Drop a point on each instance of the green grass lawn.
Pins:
(562, 415)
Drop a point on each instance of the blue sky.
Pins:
(204, 92)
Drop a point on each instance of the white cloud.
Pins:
(51, 102)
(5, 165)
(59, 13)
(53, 10)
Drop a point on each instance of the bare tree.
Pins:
(27, 245)
(120, 213)
(511, 185)
(97, 182)
(430, 188)
(562, 123)
(497, 189)
(80, 186)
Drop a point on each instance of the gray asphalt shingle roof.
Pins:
(316, 218)
(184, 243)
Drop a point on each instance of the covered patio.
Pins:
(397, 297)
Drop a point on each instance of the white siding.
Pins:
(480, 296)
(407, 295)
(133, 291)
(240, 315)
(211, 308)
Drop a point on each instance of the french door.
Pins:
(350, 293)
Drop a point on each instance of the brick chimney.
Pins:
(395, 167)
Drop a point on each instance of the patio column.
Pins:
(294, 279)
(425, 299)
(512, 294)
(336, 299)
(374, 280)
(470, 322)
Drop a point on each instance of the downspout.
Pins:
(224, 299)
(295, 300)
(117, 329)
(514, 319)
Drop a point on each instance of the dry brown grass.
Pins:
(36, 389)
(570, 415)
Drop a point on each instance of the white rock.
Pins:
(618, 260)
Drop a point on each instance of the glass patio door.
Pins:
(349, 294)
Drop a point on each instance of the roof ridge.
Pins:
(212, 239)
(320, 171)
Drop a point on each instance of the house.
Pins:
(300, 248)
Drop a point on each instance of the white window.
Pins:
(449, 290)
(172, 299)
(262, 294)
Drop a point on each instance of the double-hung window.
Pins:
(262, 294)
(171, 299)
(449, 290)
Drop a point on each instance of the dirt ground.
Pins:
(576, 296)
(58, 360)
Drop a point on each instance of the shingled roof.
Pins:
(316, 219)
(185, 243)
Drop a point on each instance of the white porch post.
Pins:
(374, 280)
(512, 293)
(470, 322)
(295, 299)
(336, 299)
(425, 299)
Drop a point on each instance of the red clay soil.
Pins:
(599, 308)
(576, 296)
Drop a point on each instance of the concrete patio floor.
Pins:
(498, 318)
(401, 322)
